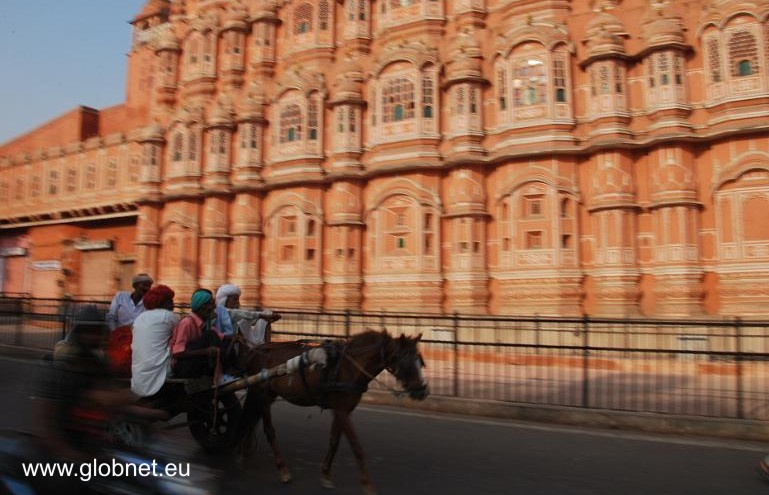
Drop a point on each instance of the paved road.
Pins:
(412, 454)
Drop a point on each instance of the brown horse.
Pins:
(339, 387)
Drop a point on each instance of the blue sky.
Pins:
(58, 54)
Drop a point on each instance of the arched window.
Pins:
(250, 137)
(323, 15)
(291, 124)
(112, 173)
(529, 82)
(36, 186)
(177, 150)
(303, 19)
(502, 89)
(193, 52)
(678, 69)
(221, 143)
(663, 67)
(650, 72)
(351, 9)
(71, 180)
(743, 52)
(312, 119)
(192, 147)
(208, 48)
(398, 100)
(427, 96)
(603, 77)
(559, 80)
(340, 119)
(90, 175)
(714, 59)
(19, 189)
(362, 9)
(619, 80)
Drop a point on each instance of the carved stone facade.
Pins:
(603, 157)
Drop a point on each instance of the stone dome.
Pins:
(221, 114)
(465, 57)
(253, 106)
(604, 35)
(168, 41)
(660, 26)
(152, 132)
(154, 7)
(236, 17)
(264, 8)
(343, 204)
(349, 80)
(465, 193)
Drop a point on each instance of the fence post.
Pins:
(456, 355)
(738, 362)
(19, 324)
(347, 323)
(585, 361)
(65, 317)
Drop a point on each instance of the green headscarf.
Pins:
(199, 298)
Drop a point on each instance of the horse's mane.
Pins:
(369, 337)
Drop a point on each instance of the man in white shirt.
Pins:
(126, 306)
(150, 352)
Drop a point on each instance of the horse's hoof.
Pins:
(326, 483)
(285, 476)
(369, 490)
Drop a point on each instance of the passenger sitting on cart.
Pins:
(195, 343)
(227, 297)
(151, 355)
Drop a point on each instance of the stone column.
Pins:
(214, 240)
(244, 268)
(613, 212)
(343, 258)
(467, 278)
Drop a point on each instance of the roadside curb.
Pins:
(735, 429)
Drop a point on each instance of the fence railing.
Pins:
(716, 368)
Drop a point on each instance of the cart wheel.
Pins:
(127, 433)
(215, 433)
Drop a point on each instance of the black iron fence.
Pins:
(716, 368)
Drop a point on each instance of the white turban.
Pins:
(226, 291)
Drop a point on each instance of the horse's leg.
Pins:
(269, 432)
(352, 437)
(337, 426)
(249, 423)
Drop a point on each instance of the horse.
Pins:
(339, 387)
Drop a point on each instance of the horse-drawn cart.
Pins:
(213, 413)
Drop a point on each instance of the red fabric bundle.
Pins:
(119, 351)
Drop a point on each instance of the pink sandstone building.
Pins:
(551, 157)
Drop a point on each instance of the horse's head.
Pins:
(404, 361)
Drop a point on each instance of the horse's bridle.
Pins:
(390, 369)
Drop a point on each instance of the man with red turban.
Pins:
(151, 356)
